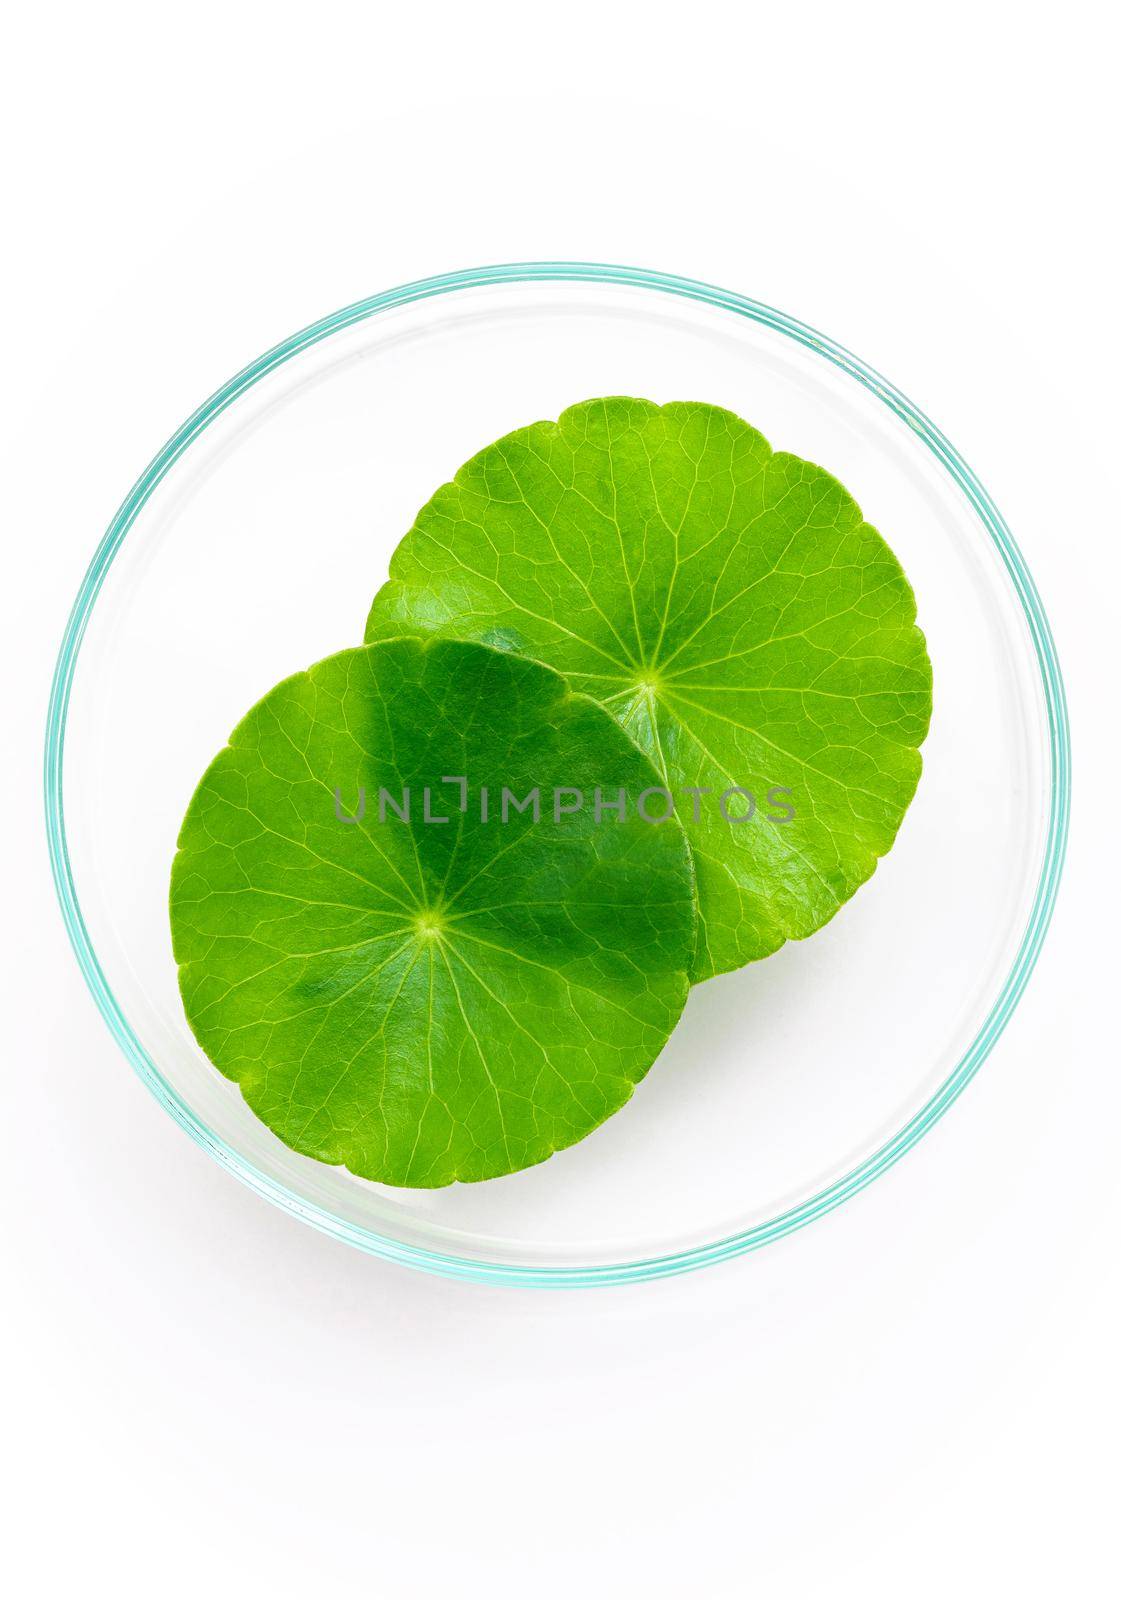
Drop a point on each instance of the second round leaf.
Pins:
(730, 607)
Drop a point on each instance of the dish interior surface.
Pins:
(786, 1084)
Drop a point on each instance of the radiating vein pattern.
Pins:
(728, 605)
(428, 1001)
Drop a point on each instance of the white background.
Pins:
(918, 1395)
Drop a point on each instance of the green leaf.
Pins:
(424, 1002)
(729, 606)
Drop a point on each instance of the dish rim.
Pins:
(888, 1153)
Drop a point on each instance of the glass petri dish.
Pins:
(251, 546)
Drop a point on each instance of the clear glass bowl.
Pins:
(251, 547)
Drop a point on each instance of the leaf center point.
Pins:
(429, 924)
(647, 681)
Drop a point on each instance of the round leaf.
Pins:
(730, 607)
(429, 1000)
